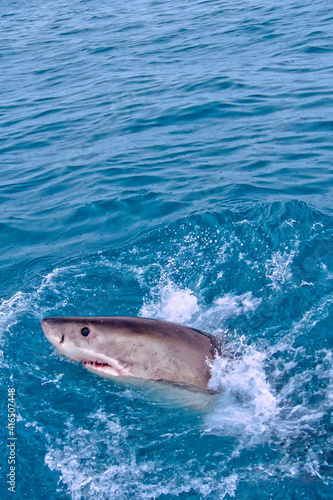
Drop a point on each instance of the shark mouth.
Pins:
(104, 369)
(101, 367)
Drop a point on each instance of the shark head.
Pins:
(134, 347)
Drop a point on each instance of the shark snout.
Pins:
(52, 331)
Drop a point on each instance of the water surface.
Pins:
(169, 160)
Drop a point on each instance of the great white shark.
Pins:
(143, 348)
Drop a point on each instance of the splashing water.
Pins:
(173, 304)
(247, 403)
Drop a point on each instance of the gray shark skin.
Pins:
(135, 347)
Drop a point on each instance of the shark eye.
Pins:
(85, 331)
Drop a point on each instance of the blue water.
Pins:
(169, 160)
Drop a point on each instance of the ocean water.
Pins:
(169, 160)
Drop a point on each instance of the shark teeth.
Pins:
(102, 367)
(106, 368)
(96, 364)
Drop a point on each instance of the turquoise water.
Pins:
(169, 160)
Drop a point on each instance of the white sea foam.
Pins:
(20, 302)
(112, 470)
(173, 304)
(246, 403)
(24, 303)
(231, 305)
(168, 301)
(10, 309)
(315, 314)
(278, 268)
